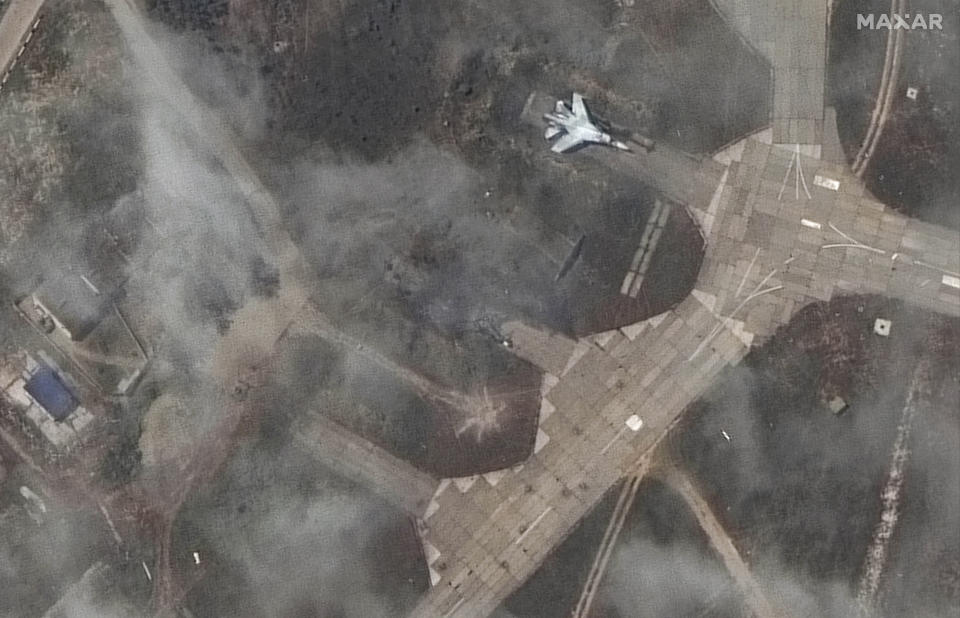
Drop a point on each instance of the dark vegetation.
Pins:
(798, 487)
(104, 142)
(280, 536)
(913, 168)
(553, 590)
(662, 565)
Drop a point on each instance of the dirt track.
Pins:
(755, 597)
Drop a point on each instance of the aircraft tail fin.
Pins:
(579, 109)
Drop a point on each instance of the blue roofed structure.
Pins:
(48, 390)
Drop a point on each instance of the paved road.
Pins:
(357, 459)
(16, 28)
(791, 35)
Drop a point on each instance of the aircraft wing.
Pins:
(551, 132)
(566, 142)
(579, 109)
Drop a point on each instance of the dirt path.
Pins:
(888, 87)
(617, 519)
(755, 598)
(249, 345)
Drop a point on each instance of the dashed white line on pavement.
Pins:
(533, 525)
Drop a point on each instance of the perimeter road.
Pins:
(19, 21)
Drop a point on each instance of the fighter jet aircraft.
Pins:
(576, 127)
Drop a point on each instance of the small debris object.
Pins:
(837, 405)
(882, 327)
(33, 498)
(826, 183)
(634, 422)
(725, 434)
(146, 571)
(912, 94)
(196, 557)
(239, 391)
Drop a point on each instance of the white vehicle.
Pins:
(575, 127)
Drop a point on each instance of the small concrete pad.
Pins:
(882, 327)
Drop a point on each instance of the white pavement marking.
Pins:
(612, 440)
(492, 478)
(644, 253)
(19, 21)
(711, 214)
(826, 183)
(546, 409)
(430, 552)
(800, 176)
(799, 179)
(846, 245)
(464, 483)
(722, 321)
(747, 274)
(786, 174)
(533, 525)
(541, 441)
(937, 268)
(454, 608)
(853, 243)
